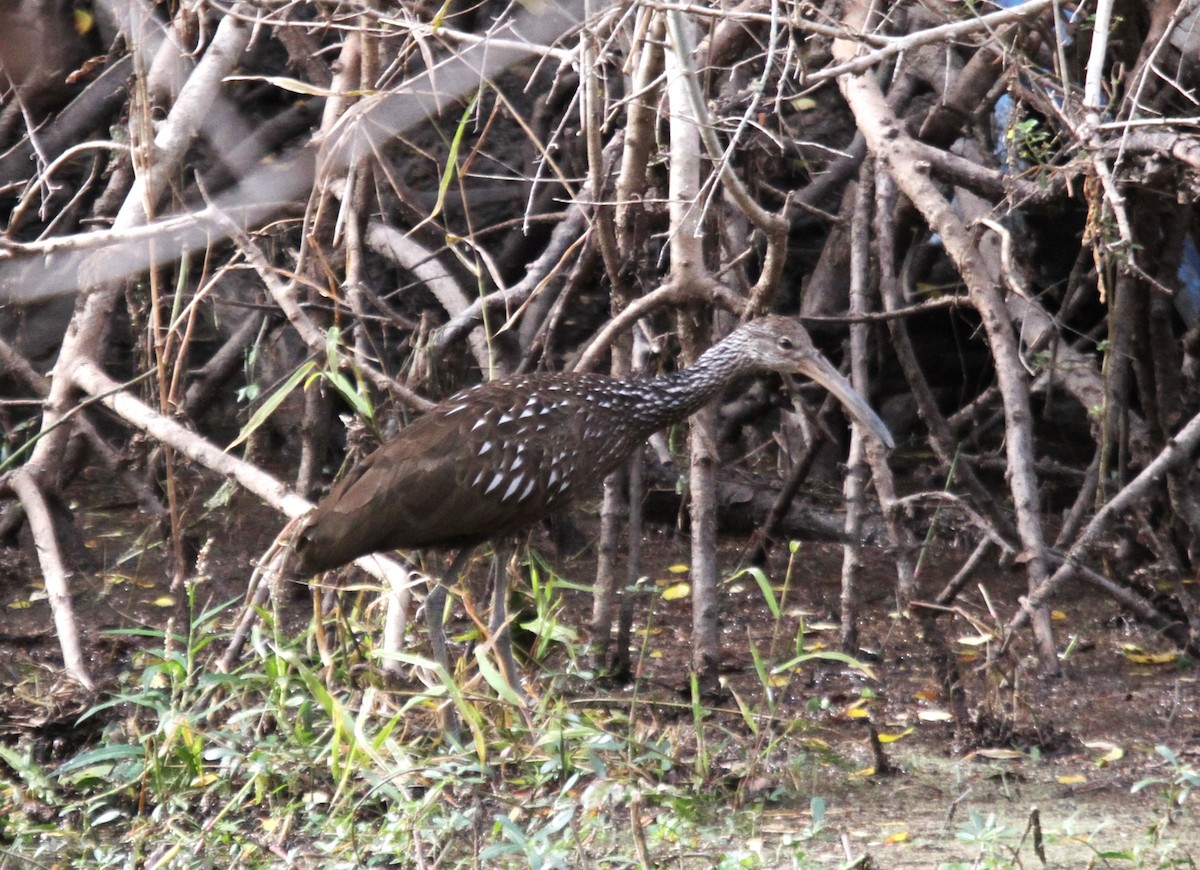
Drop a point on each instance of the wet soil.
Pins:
(1071, 747)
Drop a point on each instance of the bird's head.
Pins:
(781, 344)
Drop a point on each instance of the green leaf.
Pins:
(829, 656)
(267, 408)
(361, 404)
(451, 161)
(763, 584)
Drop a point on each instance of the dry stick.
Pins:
(1177, 450)
(615, 504)
(687, 268)
(357, 206)
(82, 343)
(633, 562)
(16, 364)
(221, 365)
(89, 377)
(174, 136)
(398, 596)
(54, 573)
(395, 618)
(1143, 609)
(888, 140)
(941, 435)
(980, 556)
(621, 223)
(312, 335)
(944, 33)
(773, 226)
(1169, 391)
(567, 235)
(885, 483)
(695, 290)
(260, 192)
(413, 257)
(854, 484)
(771, 524)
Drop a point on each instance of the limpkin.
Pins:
(500, 456)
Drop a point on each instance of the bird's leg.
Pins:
(435, 609)
(498, 626)
(435, 612)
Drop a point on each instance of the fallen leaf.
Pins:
(821, 626)
(674, 593)
(999, 754)
(1141, 657)
(1112, 752)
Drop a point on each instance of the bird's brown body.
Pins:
(496, 458)
(490, 461)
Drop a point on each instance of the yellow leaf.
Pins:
(804, 104)
(1072, 779)
(20, 605)
(1141, 657)
(656, 654)
(1057, 615)
(204, 780)
(892, 738)
(164, 601)
(1112, 752)
(858, 713)
(679, 590)
(864, 773)
(778, 681)
(934, 716)
(898, 837)
(679, 569)
(84, 22)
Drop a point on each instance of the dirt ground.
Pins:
(1072, 747)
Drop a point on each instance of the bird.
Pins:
(496, 458)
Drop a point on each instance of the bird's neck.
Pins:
(681, 394)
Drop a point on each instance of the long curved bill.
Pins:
(820, 370)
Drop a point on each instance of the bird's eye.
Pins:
(785, 343)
